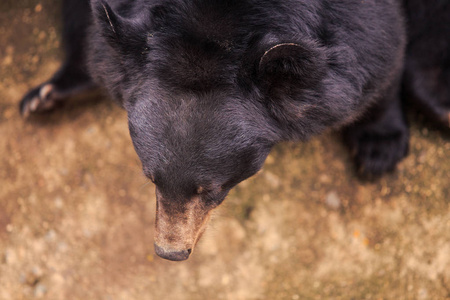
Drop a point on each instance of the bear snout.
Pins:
(179, 226)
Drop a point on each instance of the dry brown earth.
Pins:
(76, 214)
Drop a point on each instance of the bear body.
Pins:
(426, 80)
(211, 85)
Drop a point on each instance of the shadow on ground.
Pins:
(77, 215)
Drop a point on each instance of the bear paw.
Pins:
(376, 153)
(39, 99)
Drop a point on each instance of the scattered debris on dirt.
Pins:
(77, 215)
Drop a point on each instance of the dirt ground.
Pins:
(77, 215)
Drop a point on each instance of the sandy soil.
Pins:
(76, 213)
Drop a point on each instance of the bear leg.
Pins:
(72, 78)
(381, 139)
(428, 87)
(426, 80)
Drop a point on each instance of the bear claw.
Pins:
(37, 100)
(45, 91)
(34, 103)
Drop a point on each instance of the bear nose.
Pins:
(175, 255)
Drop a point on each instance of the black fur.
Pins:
(427, 69)
(211, 85)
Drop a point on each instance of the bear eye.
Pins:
(200, 190)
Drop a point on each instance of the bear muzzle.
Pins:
(178, 228)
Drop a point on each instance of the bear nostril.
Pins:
(171, 254)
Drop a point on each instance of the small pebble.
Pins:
(332, 200)
(10, 257)
(40, 290)
(423, 294)
(59, 202)
(50, 236)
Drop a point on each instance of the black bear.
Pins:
(211, 85)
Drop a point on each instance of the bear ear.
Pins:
(292, 63)
(122, 34)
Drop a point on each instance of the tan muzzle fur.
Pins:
(179, 227)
